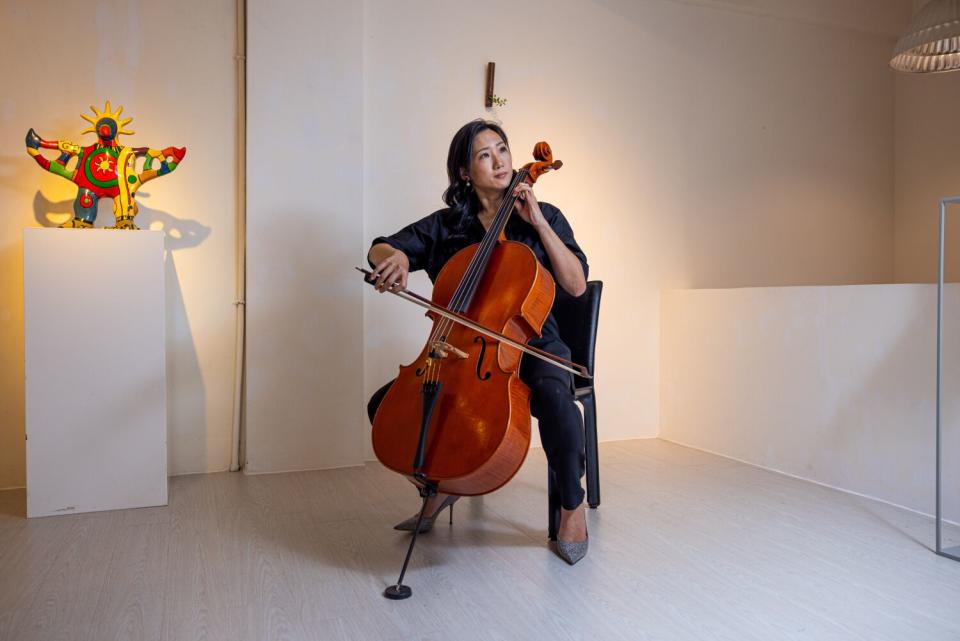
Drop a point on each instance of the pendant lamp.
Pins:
(932, 43)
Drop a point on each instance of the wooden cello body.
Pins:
(457, 419)
(479, 431)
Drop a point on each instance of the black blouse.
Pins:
(431, 241)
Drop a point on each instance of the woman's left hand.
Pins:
(528, 207)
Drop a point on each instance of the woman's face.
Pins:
(491, 167)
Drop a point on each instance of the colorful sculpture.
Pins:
(106, 168)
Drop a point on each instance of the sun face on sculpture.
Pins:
(107, 124)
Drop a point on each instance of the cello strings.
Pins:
(443, 325)
(471, 280)
(475, 271)
(497, 226)
(477, 267)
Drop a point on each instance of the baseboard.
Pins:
(808, 480)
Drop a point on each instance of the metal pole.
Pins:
(943, 211)
(953, 552)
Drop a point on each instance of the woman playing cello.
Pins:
(480, 170)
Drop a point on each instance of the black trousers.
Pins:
(561, 426)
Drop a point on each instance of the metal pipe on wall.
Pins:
(236, 437)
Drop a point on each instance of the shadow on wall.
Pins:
(180, 233)
(12, 425)
(186, 394)
(14, 173)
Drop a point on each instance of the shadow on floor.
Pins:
(13, 503)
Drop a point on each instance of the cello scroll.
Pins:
(544, 162)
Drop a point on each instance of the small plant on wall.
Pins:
(492, 98)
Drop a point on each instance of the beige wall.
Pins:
(883, 17)
(927, 169)
(706, 144)
(175, 76)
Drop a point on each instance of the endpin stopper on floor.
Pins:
(398, 592)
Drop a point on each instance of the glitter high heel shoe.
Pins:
(427, 524)
(573, 551)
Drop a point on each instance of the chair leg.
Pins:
(553, 505)
(590, 446)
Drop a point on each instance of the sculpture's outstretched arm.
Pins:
(175, 154)
(59, 166)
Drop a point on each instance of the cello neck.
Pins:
(474, 272)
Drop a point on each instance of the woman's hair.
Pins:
(459, 196)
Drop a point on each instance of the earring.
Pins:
(468, 184)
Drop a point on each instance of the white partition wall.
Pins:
(304, 380)
(830, 384)
(96, 418)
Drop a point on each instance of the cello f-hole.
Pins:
(483, 351)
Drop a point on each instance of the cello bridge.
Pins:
(441, 349)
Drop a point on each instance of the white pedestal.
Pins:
(96, 415)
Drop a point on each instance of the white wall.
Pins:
(304, 198)
(171, 66)
(831, 384)
(706, 144)
(712, 143)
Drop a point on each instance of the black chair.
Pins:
(577, 318)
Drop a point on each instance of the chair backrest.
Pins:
(578, 318)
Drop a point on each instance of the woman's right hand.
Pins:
(391, 269)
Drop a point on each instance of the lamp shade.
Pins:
(932, 43)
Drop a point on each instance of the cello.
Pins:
(457, 419)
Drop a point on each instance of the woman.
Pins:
(480, 169)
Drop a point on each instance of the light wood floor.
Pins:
(686, 545)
